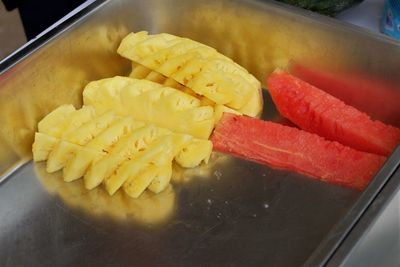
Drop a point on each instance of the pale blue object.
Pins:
(390, 21)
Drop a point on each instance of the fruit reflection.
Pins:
(149, 208)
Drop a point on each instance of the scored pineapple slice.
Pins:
(160, 181)
(42, 146)
(124, 149)
(105, 94)
(154, 177)
(252, 108)
(194, 153)
(59, 156)
(55, 123)
(194, 65)
(119, 150)
(163, 106)
(73, 139)
(77, 166)
(79, 162)
(90, 129)
(131, 168)
(141, 72)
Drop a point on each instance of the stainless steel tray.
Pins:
(231, 213)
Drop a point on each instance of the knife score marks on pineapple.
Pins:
(131, 129)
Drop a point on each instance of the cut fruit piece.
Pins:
(55, 123)
(316, 111)
(79, 162)
(89, 130)
(124, 149)
(156, 178)
(142, 160)
(106, 139)
(78, 118)
(42, 146)
(220, 109)
(199, 67)
(105, 94)
(184, 113)
(60, 155)
(193, 154)
(161, 179)
(296, 150)
(254, 106)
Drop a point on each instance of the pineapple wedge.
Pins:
(94, 150)
(75, 138)
(184, 112)
(42, 146)
(160, 181)
(194, 153)
(125, 148)
(59, 156)
(156, 178)
(55, 123)
(252, 108)
(144, 159)
(216, 76)
(89, 130)
(105, 94)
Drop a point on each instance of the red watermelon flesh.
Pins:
(294, 149)
(315, 111)
(376, 97)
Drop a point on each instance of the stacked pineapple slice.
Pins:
(196, 66)
(118, 151)
(153, 103)
(131, 129)
(141, 72)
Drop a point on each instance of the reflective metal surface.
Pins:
(232, 212)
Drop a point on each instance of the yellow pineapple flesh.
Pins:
(151, 105)
(194, 153)
(55, 123)
(42, 146)
(215, 76)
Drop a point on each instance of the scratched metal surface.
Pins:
(230, 213)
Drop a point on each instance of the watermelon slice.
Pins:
(315, 111)
(376, 97)
(296, 150)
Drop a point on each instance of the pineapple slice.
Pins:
(59, 156)
(42, 146)
(77, 166)
(124, 149)
(105, 94)
(140, 43)
(252, 108)
(78, 163)
(139, 162)
(185, 113)
(54, 123)
(90, 129)
(160, 181)
(154, 177)
(52, 127)
(80, 136)
(217, 77)
(194, 153)
(139, 71)
(78, 118)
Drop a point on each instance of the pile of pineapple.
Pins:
(130, 130)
